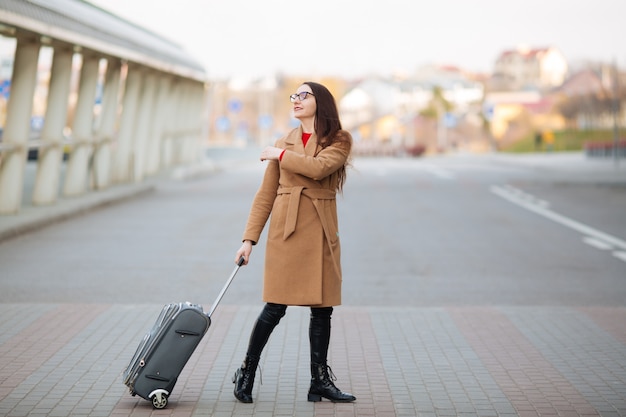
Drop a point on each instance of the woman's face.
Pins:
(304, 107)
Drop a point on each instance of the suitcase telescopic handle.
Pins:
(221, 294)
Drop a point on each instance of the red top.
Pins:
(305, 139)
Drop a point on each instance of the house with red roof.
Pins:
(527, 68)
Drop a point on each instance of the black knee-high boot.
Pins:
(265, 324)
(322, 378)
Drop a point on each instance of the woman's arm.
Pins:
(326, 162)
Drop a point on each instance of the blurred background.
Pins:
(442, 76)
(410, 79)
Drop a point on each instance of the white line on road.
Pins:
(559, 218)
(525, 196)
(596, 243)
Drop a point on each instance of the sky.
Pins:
(358, 38)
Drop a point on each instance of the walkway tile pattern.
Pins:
(68, 359)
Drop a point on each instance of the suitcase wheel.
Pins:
(159, 399)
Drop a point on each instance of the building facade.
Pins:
(530, 69)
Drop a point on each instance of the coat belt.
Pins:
(314, 194)
(294, 205)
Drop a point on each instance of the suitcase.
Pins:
(166, 348)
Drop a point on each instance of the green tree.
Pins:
(437, 106)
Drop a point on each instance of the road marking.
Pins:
(605, 239)
(527, 197)
(596, 243)
(620, 255)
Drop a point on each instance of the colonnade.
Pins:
(148, 119)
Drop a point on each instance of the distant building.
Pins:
(587, 98)
(529, 69)
(517, 114)
(256, 111)
(457, 87)
(368, 101)
(583, 83)
(389, 111)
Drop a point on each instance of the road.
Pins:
(415, 232)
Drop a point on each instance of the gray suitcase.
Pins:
(166, 348)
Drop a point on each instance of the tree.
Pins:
(437, 106)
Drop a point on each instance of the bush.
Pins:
(564, 140)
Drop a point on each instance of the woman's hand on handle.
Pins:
(244, 251)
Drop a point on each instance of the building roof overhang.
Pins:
(88, 27)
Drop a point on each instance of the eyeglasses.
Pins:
(300, 96)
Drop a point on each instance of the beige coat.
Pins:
(302, 260)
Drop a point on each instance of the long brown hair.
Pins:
(327, 124)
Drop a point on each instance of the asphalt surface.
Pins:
(486, 285)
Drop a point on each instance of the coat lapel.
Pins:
(295, 139)
(311, 146)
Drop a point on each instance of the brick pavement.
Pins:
(67, 360)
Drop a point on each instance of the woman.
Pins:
(302, 264)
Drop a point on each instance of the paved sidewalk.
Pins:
(63, 359)
(67, 360)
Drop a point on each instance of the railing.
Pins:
(607, 149)
(34, 145)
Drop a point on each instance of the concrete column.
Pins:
(82, 131)
(122, 158)
(181, 124)
(184, 127)
(176, 122)
(169, 111)
(143, 127)
(17, 128)
(154, 159)
(51, 153)
(192, 123)
(105, 130)
(205, 114)
(198, 113)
